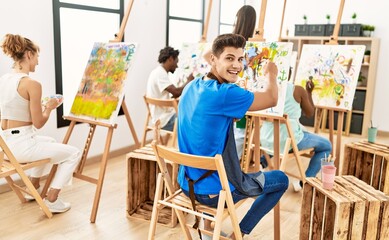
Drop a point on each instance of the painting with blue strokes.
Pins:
(191, 61)
(334, 69)
(252, 77)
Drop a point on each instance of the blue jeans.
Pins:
(276, 183)
(322, 147)
(170, 124)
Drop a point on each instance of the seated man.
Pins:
(208, 107)
(297, 99)
(159, 86)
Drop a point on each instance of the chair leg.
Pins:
(154, 214)
(285, 154)
(35, 194)
(219, 215)
(11, 184)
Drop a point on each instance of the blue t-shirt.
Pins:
(206, 110)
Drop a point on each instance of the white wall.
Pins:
(147, 26)
(373, 12)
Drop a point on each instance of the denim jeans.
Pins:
(322, 147)
(276, 183)
(170, 124)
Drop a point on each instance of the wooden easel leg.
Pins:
(277, 222)
(100, 180)
(80, 168)
(318, 119)
(339, 141)
(331, 128)
(129, 121)
(55, 166)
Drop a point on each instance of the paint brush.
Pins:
(349, 65)
(329, 158)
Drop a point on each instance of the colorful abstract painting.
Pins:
(191, 61)
(334, 70)
(100, 92)
(252, 77)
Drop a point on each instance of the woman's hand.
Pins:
(52, 104)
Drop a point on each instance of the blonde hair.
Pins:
(15, 46)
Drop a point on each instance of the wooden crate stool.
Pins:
(142, 176)
(368, 162)
(352, 210)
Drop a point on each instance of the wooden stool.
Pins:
(368, 162)
(142, 176)
(352, 210)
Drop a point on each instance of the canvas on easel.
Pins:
(334, 69)
(252, 76)
(191, 61)
(101, 91)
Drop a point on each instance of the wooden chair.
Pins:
(295, 154)
(149, 126)
(9, 166)
(182, 204)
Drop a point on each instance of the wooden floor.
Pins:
(26, 221)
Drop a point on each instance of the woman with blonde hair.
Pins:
(22, 113)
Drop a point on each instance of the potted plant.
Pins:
(354, 17)
(366, 30)
(371, 29)
(366, 57)
(361, 79)
(305, 18)
(328, 17)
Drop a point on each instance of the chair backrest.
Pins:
(181, 203)
(167, 154)
(163, 103)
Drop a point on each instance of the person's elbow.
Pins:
(273, 100)
(38, 125)
(309, 112)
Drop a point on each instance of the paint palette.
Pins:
(59, 97)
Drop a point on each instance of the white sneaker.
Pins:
(296, 186)
(58, 206)
(29, 197)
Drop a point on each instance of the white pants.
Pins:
(28, 147)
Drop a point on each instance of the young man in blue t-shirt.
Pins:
(207, 109)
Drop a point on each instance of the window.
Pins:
(228, 10)
(185, 20)
(77, 25)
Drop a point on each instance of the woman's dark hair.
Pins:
(245, 21)
(167, 52)
(227, 40)
(16, 46)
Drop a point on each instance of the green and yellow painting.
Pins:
(252, 77)
(100, 92)
(334, 69)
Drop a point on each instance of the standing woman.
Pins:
(22, 113)
(244, 25)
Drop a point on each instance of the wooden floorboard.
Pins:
(27, 221)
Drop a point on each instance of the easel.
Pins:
(258, 37)
(92, 126)
(252, 137)
(321, 112)
(206, 23)
(282, 21)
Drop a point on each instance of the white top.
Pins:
(157, 83)
(12, 105)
